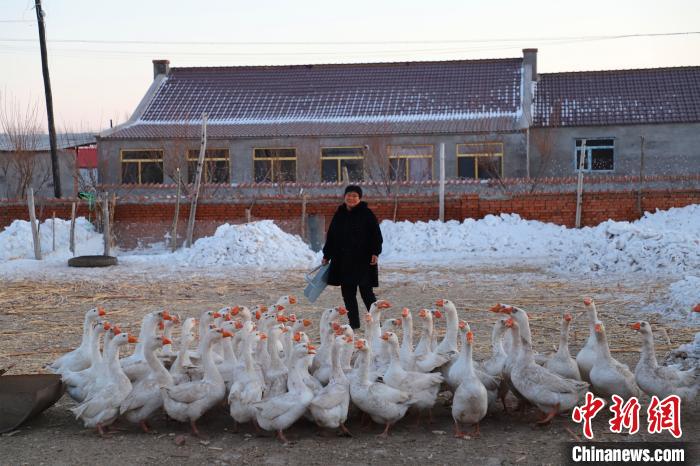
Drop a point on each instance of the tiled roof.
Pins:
(40, 142)
(656, 95)
(374, 98)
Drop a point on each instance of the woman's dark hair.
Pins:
(353, 189)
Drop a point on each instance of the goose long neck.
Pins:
(526, 356)
(394, 350)
(364, 367)
(148, 330)
(497, 340)
(96, 336)
(592, 314)
(247, 355)
(467, 358)
(452, 323)
(87, 328)
(564, 338)
(210, 371)
(603, 346)
(648, 352)
(157, 367)
(336, 364)
(515, 340)
(273, 338)
(407, 327)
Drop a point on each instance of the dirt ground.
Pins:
(40, 320)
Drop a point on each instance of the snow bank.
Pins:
(259, 244)
(16, 239)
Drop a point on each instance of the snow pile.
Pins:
(665, 242)
(259, 244)
(16, 239)
(491, 238)
(685, 294)
(686, 356)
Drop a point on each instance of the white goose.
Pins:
(78, 383)
(135, 366)
(102, 407)
(588, 354)
(470, 401)
(330, 405)
(384, 404)
(280, 412)
(79, 358)
(423, 387)
(145, 398)
(658, 380)
(276, 372)
(190, 400)
(179, 368)
(561, 363)
(427, 358)
(549, 392)
(248, 385)
(608, 375)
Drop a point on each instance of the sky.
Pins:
(100, 52)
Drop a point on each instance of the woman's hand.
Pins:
(374, 260)
(324, 261)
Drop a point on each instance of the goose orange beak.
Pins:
(216, 315)
(636, 326)
(598, 328)
(306, 322)
(116, 330)
(258, 315)
(101, 311)
(440, 302)
(470, 337)
(107, 326)
(462, 324)
(496, 307)
(335, 325)
(161, 325)
(437, 314)
(166, 316)
(239, 324)
(226, 334)
(263, 336)
(568, 317)
(292, 317)
(292, 299)
(342, 311)
(263, 308)
(397, 321)
(587, 301)
(696, 308)
(422, 313)
(384, 304)
(167, 341)
(359, 344)
(133, 339)
(349, 339)
(509, 322)
(385, 337)
(405, 312)
(282, 319)
(507, 309)
(297, 337)
(235, 310)
(311, 347)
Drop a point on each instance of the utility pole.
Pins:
(49, 100)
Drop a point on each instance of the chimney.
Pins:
(530, 57)
(160, 67)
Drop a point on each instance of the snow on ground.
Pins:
(664, 245)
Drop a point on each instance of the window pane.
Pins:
(191, 171)
(480, 148)
(602, 159)
(342, 152)
(286, 170)
(489, 167)
(208, 154)
(600, 142)
(130, 172)
(355, 168)
(151, 172)
(420, 169)
(142, 154)
(267, 153)
(397, 169)
(217, 172)
(263, 171)
(329, 170)
(465, 167)
(578, 159)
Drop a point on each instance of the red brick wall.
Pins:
(148, 222)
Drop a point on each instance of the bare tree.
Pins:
(22, 167)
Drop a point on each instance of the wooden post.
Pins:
(105, 225)
(49, 100)
(53, 231)
(304, 200)
(197, 181)
(579, 188)
(35, 230)
(248, 215)
(72, 228)
(173, 237)
(641, 176)
(442, 182)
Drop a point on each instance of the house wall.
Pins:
(669, 149)
(42, 180)
(308, 153)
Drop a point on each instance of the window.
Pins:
(599, 154)
(334, 159)
(275, 165)
(482, 160)
(216, 165)
(142, 166)
(411, 163)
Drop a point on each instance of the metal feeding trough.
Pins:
(92, 261)
(24, 396)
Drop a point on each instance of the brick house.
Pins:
(498, 118)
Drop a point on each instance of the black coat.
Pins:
(353, 237)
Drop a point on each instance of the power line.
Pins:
(461, 41)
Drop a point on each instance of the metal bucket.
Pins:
(24, 396)
(317, 283)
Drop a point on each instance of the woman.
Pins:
(353, 245)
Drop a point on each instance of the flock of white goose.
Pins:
(260, 362)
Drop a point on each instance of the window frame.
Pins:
(339, 158)
(590, 160)
(407, 179)
(122, 161)
(272, 160)
(195, 159)
(476, 155)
